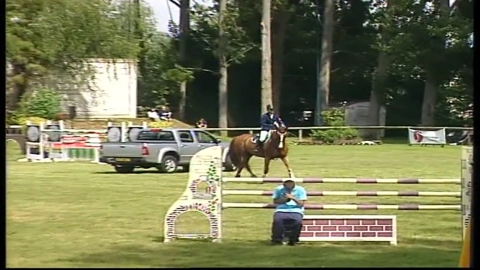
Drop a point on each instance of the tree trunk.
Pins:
(141, 44)
(223, 70)
(323, 88)
(184, 30)
(266, 56)
(19, 82)
(279, 29)
(377, 95)
(432, 83)
(429, 100)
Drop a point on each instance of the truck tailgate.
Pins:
(122, 150)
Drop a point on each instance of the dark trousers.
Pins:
(278, 227)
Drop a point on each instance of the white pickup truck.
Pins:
(164, 149)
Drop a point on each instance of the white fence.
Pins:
(302, 131)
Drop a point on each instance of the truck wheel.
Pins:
(124, 169)
(169, 164)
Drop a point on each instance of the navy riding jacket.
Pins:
(266, 122)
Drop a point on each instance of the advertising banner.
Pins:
(423, 137)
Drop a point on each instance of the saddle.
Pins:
(256, 137)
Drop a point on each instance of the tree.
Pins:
(215, 32)
(160, 75)
(379, 81)
(356, 66)
(48, 38)
(433, 76)
(323, 90)
(418, 48)
(223, 68)
(266, 93)
(280, 19)
(184, 34)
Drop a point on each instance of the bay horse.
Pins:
(243, 147)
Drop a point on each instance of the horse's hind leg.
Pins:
(247, 166)
(239, 169)
(243, 163)
(266, 166)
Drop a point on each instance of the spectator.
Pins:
(165, 113)
(153, 115)
(289, 200)
(201, 123)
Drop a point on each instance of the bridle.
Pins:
(281, 130)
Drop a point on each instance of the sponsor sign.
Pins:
(416, 136)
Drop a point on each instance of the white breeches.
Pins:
(263, 135)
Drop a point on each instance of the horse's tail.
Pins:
(232, 153)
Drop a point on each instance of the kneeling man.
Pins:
(289, 199)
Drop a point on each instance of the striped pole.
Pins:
(351, 206)
(352, 193)
(344, 180)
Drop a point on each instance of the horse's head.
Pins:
(281, 130)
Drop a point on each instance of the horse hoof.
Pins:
(237, 176)
(254, 176)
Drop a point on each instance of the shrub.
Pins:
(20, 119)
(332, 135)
(318, 135)
(334, 117)
(44, 103)
(349, 133)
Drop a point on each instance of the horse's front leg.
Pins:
(290, 171)
(266, 165)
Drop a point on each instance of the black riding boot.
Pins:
(259, 146)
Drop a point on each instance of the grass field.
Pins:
(84, 215)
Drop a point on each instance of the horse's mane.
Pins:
(274, 137)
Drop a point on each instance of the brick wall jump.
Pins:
(349, 228)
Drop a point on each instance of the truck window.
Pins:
(166, 136)
(185, 136)
(204, 137)
(156, 136)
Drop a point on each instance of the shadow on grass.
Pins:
(410, 252)
(395, 140)
(139, 171)
(13, 151)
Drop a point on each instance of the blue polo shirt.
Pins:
(291, 207)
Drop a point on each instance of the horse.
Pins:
(243, 147)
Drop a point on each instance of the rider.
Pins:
(267, 123)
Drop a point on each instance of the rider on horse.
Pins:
(267, 122)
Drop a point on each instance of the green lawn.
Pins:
(83, 215)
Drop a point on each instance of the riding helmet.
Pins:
(269, 107)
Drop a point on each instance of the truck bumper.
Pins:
(137, 162)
